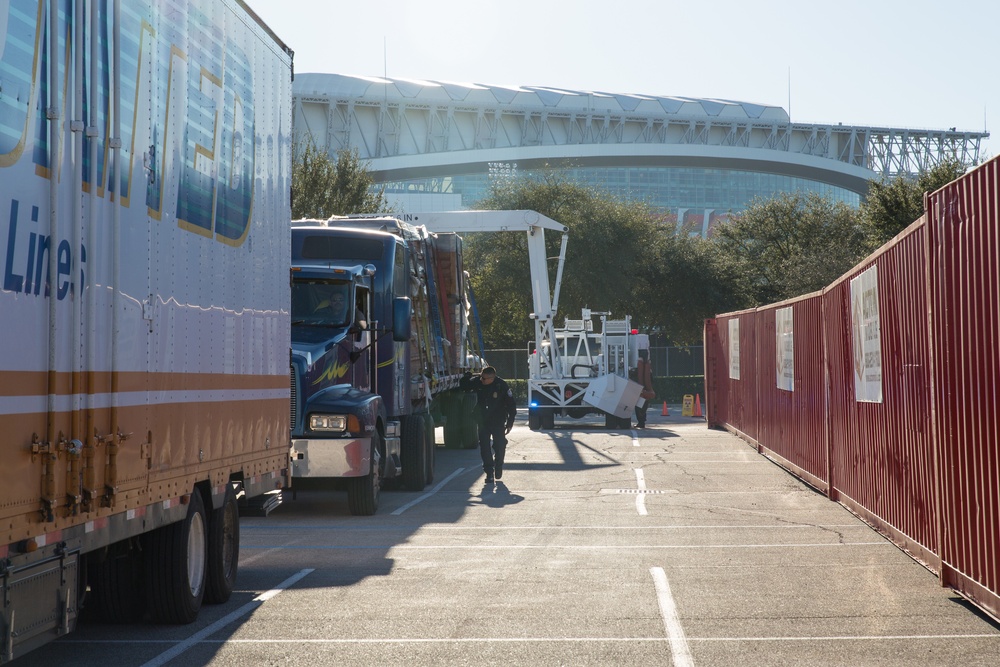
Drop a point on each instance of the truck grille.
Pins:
(294, 395)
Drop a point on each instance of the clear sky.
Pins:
(905, 63)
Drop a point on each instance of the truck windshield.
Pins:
(320, 302)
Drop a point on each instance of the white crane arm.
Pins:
(532, 222)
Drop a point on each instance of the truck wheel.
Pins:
(534, 419)
(223, 549)
(548, 420)
(176, 566)
(413, 452)
(363, 492)
(431, 446)
(115, 587)
(470, 427)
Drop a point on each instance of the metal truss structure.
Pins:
(386, 127)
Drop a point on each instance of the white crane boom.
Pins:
(555, 384)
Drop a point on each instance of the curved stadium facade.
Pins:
(438, 145)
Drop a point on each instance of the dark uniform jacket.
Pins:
(495, 405)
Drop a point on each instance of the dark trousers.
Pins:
(640, 413)
(492, 455)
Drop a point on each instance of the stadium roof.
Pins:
(411, 128)
(424, 91)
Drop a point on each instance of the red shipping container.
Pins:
(965, 333)
(881, 457)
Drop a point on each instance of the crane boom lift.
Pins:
(534, 224)
(561, 354)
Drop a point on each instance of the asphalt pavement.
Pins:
(671, 545)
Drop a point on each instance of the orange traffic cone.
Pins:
(666, 411)
(697, 405)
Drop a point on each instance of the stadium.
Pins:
(438, 146)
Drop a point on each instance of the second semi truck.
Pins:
(383, 328)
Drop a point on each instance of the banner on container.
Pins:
(867, 339)
(734, 349)
(784, 353)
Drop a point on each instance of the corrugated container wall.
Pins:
(883, 389)
(735, 401)
(962, 231)
(792, 416)
(881, 458)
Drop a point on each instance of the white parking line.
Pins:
(635, 438)
(538, 640)
(640, 498)
(572, 547)
(427, 495)
(199, 636)
(679, 649)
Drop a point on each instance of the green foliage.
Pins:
(892, 205)
(686, 283)
(623, 258)
(619, 259)
(322, 187)
(787, 246)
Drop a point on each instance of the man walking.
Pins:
(495, 412)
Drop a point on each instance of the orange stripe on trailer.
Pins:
(30, 383)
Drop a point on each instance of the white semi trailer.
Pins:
(144, 395)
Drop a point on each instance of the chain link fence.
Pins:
(512, 364)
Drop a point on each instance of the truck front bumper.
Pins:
(331, 457)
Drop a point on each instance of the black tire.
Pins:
(115, 595)
(223, 549)
(413, 452)
(470, 427)
(177, 567)
(453, 421)
(363, 492)
(548, 420)
(534, 419)
(431, 446)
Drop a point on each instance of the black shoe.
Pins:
(640, 426)
(489, 479)
(499, 473)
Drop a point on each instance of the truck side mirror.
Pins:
(402, 311)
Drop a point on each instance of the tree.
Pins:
(619, 259)
(322, 187)
(892, 205)
(687, 284)
(787, 246)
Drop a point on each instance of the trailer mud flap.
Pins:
(39, 604)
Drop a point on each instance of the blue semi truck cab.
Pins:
(382, 331)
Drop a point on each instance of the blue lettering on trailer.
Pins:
(26, 260)
(212, 134)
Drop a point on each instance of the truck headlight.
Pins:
(321, 422)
